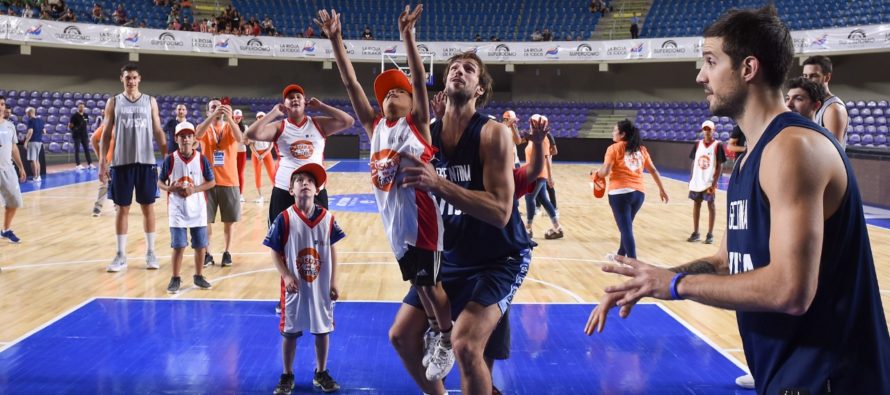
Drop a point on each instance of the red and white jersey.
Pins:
(307, 253)
(410, 217)
(703, 166)
(297, 145)
(187, 212)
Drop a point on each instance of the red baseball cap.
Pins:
(317, 172)
(292, 88)
(389, 80)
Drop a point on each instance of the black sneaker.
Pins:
(201, 282)
(173, 287)
(709, 239)
(208, 259)
(325, 382)
(694, 237)
(226, 259)
(285, 384)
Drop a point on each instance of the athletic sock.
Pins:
(446, 337)
(434, 325)
(121, 244)
(150, 242)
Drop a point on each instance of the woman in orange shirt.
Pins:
(624, 164)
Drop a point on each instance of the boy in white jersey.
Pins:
(410, 217)
(707, 159)
(302, 239)
(185, 175)
(10, 193)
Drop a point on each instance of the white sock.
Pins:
(121, 244)
(150, 242)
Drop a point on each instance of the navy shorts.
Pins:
(708, 197)
(179, 237)
(141, 177)
(496, 283)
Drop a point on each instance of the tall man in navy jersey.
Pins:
(486, 249)
(795, 262)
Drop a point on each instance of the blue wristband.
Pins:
(674, 281)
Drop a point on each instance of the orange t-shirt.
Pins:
(529, 155)
(97, 139)
(221, 139)
(627, 168)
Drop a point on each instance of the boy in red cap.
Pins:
(185, 176)
(302, 239)
(410, 217)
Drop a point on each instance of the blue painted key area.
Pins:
(133, 346)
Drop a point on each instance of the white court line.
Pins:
(734, 350)
(557, 287)
(698, 333)
(46, 324)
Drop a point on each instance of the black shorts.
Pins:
(141, 177)
(420, 267)
(282, 199)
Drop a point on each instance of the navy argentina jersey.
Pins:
(840, 345)
(469, 243)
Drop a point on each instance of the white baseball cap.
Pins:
(184, 127)
(708, 124)
(237, 113)
(260, 114)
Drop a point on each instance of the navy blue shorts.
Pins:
(141, 177)
(496, 283)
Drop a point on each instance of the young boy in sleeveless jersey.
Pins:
(185, 175)
(410, 217)
(707, 159)
(302, 239)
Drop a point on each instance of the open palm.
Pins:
(329, 23)
(409, 18)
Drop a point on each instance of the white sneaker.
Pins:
(430, 341)
(746, 381)
(151, 261)
(119, 263)
(79, 167)
(37, 179)
(91, 166)
(258, 200)
(242, 199)
(440, 364)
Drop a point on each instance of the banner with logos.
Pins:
(26, 30)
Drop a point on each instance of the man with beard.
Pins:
(795, 262)
(833, 114)
(486, 249)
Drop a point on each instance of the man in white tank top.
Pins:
(707, 159)
(10, 193)
(833, 114)
(134, 118)
(411, 218)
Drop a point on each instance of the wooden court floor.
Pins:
(61, 262)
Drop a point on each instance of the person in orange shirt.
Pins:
(219, 136)
(624, 164)
(261, 157)
(103, 186)
(540, 190)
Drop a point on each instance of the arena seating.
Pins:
(677, 18)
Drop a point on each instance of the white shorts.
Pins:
(309, 309)
(34, 150)
(10, 192)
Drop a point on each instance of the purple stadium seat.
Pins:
(854, 139)
(853, 112)
(881, 140)
(55, 148)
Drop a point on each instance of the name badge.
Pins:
(218, 158)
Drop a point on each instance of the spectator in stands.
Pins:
(367, 34)
(202, 26)
(27, 12)
(268, 26)
(478, 38)
(634, 26)
(536, 35)
(256, 29)
(68, 16)
(97, 15)
(804, 96)
(546, 35)
(57, 9)
(170, 127)
(219, 136)
(309, 32)
(120, 15)
(185, 4)
(495, 38)
(833, 114)
(78, 127)
(143, 24)
(34, 140)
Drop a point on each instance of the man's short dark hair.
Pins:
(485, 80)
(758, 33)
(2, 97)
(824, 63)
(815, 91)
(130, 67)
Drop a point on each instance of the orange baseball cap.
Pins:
(291, 88)
(317, 172)
(388, 80)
